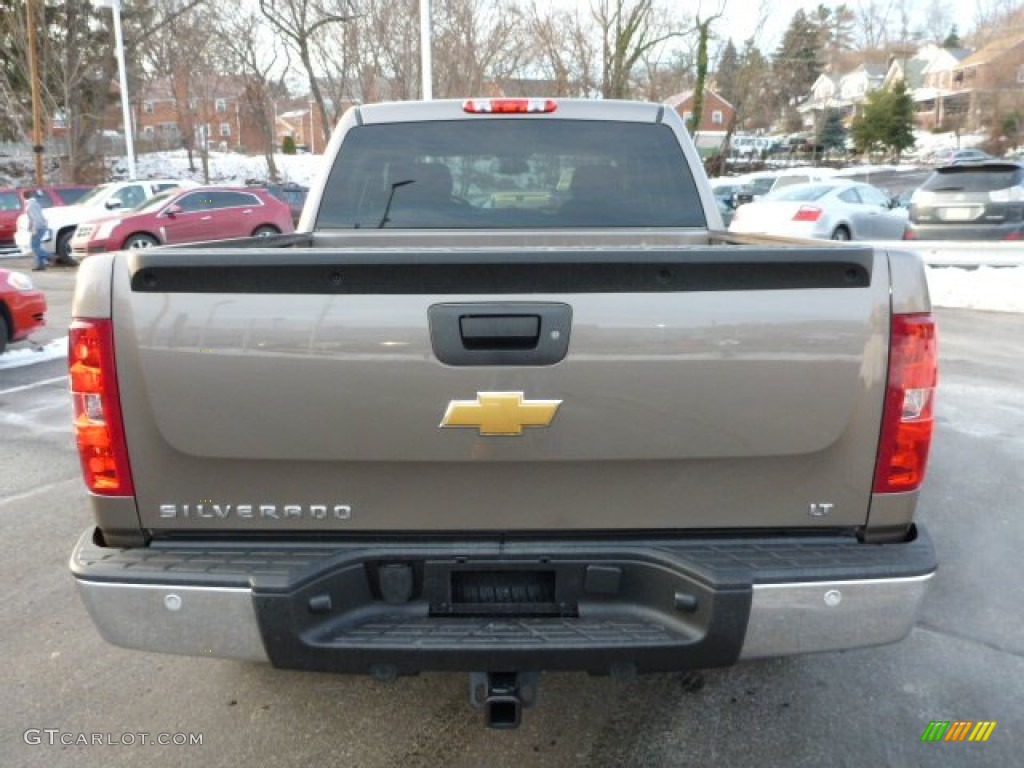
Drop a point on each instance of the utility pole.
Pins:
(33, 74)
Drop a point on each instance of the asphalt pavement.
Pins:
(964, 660)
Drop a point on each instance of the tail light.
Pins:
(909, 234)
(1018, 235)
(807, 213)
(97, 408)
(908, 418)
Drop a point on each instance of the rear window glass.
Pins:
(804, 192)
(974, 179)
(763, 185)
(510, 174)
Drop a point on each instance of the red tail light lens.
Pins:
(508, 106)
(807, 213)
(97, 409)
(908, 417)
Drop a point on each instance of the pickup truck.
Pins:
(509, 401)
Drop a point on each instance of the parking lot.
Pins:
(963, 661)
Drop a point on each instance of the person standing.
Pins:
(37, 227)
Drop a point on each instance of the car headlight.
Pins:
(102, 232)
(19, 281)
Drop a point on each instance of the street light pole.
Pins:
(426, 73)
(126, 115)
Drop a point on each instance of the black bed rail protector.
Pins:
(500, 271)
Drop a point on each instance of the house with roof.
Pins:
(846, 92)
(987, 84)
(717, 116)
(301, 120)
(931, 105)
(824, 97)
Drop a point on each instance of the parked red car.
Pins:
(22, 307)
(12, 201)
(187, 216)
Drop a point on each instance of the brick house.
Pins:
(170, 111)
(987, 84)
(301, 120)
(717, 114)
(930, 99)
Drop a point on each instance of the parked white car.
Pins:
(114, 196)
(761, 183)
(826, 210)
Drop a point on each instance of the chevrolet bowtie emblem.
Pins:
(500, 413)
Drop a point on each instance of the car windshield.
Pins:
(72, 195)
(95, 195)
(154, 202)
(802, 192)
(974, 179)
(510, 174)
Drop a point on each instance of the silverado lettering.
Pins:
(674, 448)
(249, 511)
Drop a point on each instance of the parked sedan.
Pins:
(836, 210)
(187, 216)
(972, 201)
(22, 307)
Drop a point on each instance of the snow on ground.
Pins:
(21, 355)
(225, 167)
(996, 289)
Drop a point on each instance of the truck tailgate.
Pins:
(700, 388)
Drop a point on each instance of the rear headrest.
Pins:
(595, 181)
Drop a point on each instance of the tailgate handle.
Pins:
(499, 331)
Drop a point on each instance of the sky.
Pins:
(742, 17)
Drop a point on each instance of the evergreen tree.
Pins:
(728, 72)
(797, 61)
(832, 134)
(952, 39)
(887, 122)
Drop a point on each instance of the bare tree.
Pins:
(994, 19)
(874, 20)
(253, 55)
(475, 42)
(298, 22)
(627, 32)
(375, 55)
(937, 22)
(563, 49)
